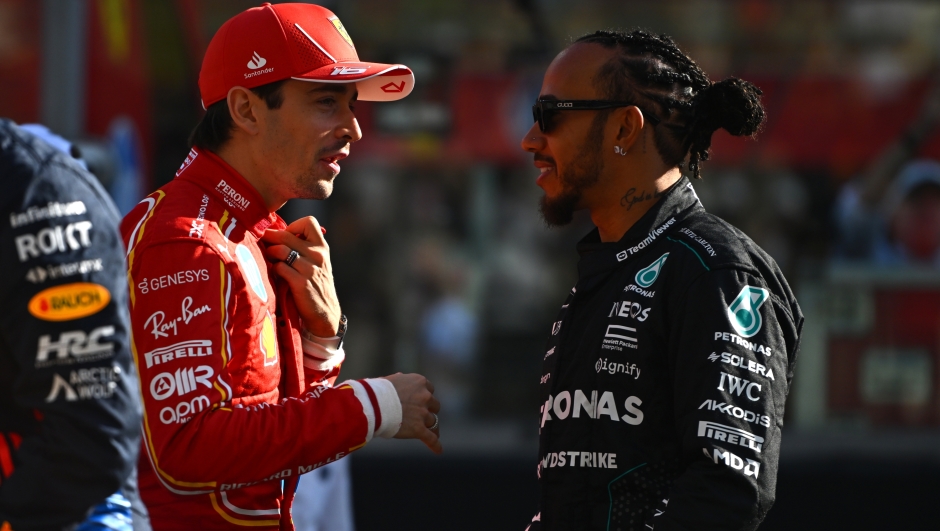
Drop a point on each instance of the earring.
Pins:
(618, 150)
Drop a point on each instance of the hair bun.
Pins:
(733, 105)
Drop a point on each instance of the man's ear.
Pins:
(630, 123)
(242, 106)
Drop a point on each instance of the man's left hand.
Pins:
(310, 276)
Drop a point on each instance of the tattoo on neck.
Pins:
(632, 197)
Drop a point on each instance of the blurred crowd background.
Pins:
(444, 267)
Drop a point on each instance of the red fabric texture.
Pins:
(269, 43)
(232, 418)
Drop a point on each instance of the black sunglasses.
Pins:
(544, 110)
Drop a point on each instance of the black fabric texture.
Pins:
(665, 379)
(75, 407)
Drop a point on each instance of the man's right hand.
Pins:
(418, 409)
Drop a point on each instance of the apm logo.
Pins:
(744, 314)
(646, 276)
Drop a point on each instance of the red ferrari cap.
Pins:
(296, 41)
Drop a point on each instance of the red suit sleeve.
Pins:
(207, 355)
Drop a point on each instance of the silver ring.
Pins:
(291, 258)
(436, 422)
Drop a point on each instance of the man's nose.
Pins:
(533, 140)
(349, 130)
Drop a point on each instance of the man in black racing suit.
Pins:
(666, 371)
(69, 405)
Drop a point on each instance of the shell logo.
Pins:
(69, 301)
(268, 341)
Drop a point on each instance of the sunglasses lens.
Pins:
(542, 116)
(537, 116)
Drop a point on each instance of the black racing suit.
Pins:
(665, 378)
(69, 404)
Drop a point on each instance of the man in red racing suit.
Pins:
(237, 388)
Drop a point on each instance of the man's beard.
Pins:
(317, 182)
(313, 185)
(586, 170)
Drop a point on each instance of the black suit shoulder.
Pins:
(713, 244)
(32, 171)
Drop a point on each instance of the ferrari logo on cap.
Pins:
(342, 31)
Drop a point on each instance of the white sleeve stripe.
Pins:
(367, 410)
(318, 364)
(318, 350)
(389, 405)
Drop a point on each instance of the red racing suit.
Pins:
(237, 402)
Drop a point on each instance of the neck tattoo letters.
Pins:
(632, 197)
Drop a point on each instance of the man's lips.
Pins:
(545, 167)
(336, 157)
(333, 160)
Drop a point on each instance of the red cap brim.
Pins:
(375, 81)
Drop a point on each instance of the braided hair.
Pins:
(653, 72)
